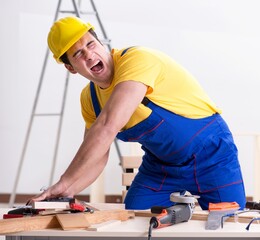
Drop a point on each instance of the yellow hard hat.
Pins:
(64, 33)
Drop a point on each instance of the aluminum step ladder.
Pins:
(76, 10)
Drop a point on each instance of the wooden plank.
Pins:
(73, 221)
(103, 216)
(51, 221)
(105, 206)
(127, 178)
(50, 205)
(28, 224)
(101, 226)
(131, 161)
(203, 216)
(130, 164)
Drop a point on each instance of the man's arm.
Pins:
(92, 155)
(82, 182)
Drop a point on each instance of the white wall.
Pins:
(217, 40)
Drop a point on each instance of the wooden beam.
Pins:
(28, 224)
(127, 178)
(131, 161)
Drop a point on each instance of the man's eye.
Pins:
(78, 54)
(91, 44)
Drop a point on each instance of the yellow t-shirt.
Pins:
(169, 86)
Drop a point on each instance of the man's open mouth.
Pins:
(98, 67)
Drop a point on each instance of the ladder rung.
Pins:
(47, 114)
(81, 12)
(67, 11)
(105, 41)
(88, 13)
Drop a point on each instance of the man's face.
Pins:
(89, 58)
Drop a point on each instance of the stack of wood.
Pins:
(59, 215)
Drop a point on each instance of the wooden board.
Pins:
(127, 178)
(51, 221)
(106, 215)
(28, 224)
(105, 206)
(131, 161)
(50, 205)
(203, 216)
(73, 221)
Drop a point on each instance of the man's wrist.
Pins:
(66, 187)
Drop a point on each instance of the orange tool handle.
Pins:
(223, 206)
(164, 219)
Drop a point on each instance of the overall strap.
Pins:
(146, 101)
(94, 99)
(125, 50)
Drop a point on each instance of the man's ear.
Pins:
(70, 68)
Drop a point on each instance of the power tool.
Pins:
(253, 205)
(181, 211)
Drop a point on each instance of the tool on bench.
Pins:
(49, 206)
(219, 212)
(53, 203)
(22, 212)
(181, 211)
(66, 203)
(253, 205)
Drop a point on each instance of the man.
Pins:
(139, 94)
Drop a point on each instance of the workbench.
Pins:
(137, 229)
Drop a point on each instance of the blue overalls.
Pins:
(182, 154)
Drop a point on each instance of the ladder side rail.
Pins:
(27, 137)
(100, 24)
(54, 160)
(77, 12)
(110, 48)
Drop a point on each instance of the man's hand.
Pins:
(55, 191)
